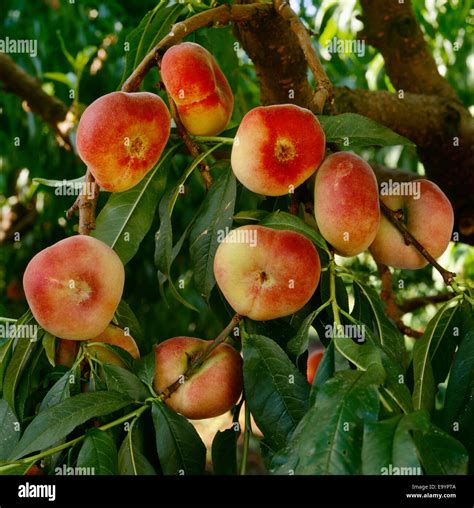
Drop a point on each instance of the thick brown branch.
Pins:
(324, 89)
(199, 360)
(222, 15)
(87, 205)
(394, 217)
(413, 304)
(52, 110)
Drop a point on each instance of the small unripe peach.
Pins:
(346, 203)
(266, 273)
(114, 336)
(121, 137)
(74, 287)
(212, 390)
(277, 148)
(198, 87)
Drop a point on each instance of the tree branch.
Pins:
(87, 205)
(222, 15)
(324, 89)
(413, 304)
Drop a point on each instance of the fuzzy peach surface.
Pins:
(272, 277)
(346, 203)
(114, 336)
(74, 287)
(429, 219)
(198, 87)
(121, 136)
(277, 148)
(212, 390)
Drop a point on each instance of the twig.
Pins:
(87, 205)
(222, 15)
(192, 147)
(391, 308)
(199, 359)
(395, 217)
(324, 89)
(412, 304)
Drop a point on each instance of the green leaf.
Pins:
(123, 381)
(212, 221)
(61, 390)
(328, 439)
(383, 329)
(152, 28)
(359, 130)
(21, 354)
(284, 220)
(126, 319)
(276, 392)
(9, 430)
(131, 460)
(58, 183)
(145, 368)
(224, 452)
(49, 345)
(99, 453)
(58, 421)
(179, 446)
(250, 216)
(388, 446)
(127, 216)
(440, 453)
(425, 385)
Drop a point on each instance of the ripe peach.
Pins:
(212, 390)
(74, 287)
(116, 337)
(346, 203)
(277, 148)
(429, 219)
(312, 365)
(121, 137)
(198, 87)
(266, 273)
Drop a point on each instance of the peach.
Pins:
(198, 87)
(66, 352)
(427, 214)
(312, 365)
(346, 203)
(277, 148)
(74, 287)
(121, 137)
(212, 390)
(116, 337)
(266, 273)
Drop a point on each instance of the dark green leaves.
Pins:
(328, 439)
(212, 221)
(284, 220)
(124, 381)
(98, 453)
(127, 216)
(152, 28)
(276, 392)
(438, 329)
(351, 129)
(58, 421)
(224, 452)
(179, 447)
(9, 430)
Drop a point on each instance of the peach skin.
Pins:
(74, 287)
(198, 87)
(121, 136)
(277, 148)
